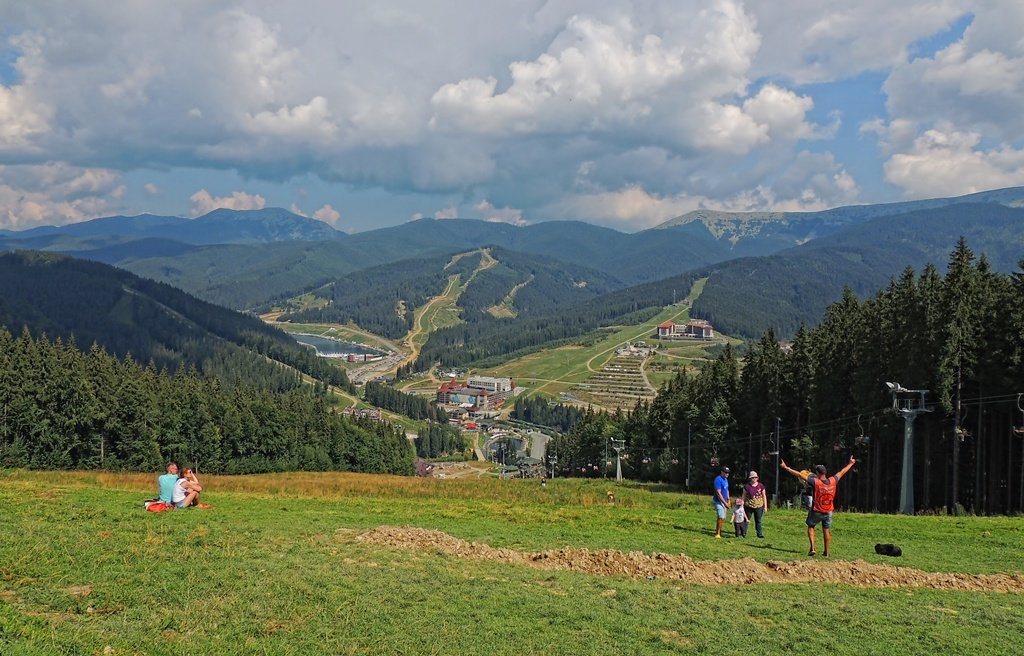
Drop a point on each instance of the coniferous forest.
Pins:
(61, 408)
(959, 335)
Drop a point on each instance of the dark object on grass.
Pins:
(888, 550)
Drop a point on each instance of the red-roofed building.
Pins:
(693, 329)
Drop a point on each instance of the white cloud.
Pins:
(56, 193)
(151, 189)
(449, 212)
(294, 209)
(203, 202)
(945, 162)
(631, 208)
(328, 215)
(310, 121)
(489, 212)
(647, 106)
(976, 83)
(824, 40)
(955, 124)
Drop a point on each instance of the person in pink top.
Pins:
(755, 499)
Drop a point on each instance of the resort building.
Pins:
(692, 329)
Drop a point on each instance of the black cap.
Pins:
(725, 470)
(819, 470)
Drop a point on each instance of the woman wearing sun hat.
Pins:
(755, 498)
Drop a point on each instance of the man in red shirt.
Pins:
(824, 488)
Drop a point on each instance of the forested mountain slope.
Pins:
(95, 303)
(746, 296)
(246, 276)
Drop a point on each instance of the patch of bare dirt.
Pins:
(636, 564)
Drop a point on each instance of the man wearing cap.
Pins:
(721, 499)
(824, 496)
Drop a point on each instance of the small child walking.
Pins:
(739, 519)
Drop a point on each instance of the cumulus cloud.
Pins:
(954, 125)
(56, 193)
(825, 40)
(203, 202)
(632, 207)
(449, 212)
(976, 83)
(151, 189)
(488, 212)
(946, 162)
(328, 215)
(649, 106)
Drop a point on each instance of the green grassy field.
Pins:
(552, 371)
(276, 567)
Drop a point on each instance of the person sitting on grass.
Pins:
(166, 482)
(185, 492)
(191, 477)
(824, 496)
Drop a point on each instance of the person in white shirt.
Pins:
(186, 491)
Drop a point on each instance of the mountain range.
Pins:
(763, 269)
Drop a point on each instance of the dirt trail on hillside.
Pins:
(636, 564)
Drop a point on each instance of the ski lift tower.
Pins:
(907, 403)
(618, 445)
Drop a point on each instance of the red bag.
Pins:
(158, 506)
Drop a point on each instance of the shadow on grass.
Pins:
(754, 543)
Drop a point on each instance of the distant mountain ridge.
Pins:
(758, 233)
(221, 226)
(746, 295)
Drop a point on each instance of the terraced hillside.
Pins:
(620, 383)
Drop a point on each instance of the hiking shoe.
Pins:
(812, 553)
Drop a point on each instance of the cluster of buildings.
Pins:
(365, 413)
(478, 394)
(692, 329)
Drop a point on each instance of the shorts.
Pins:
(179, 504)
(720, 509)
(813, 517)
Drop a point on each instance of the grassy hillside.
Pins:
(290, 564)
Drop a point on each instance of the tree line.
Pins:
(537, 410)
(959, 335)
(61, 408)
(411, 405)
(439, 440)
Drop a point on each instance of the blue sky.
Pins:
(622, 114)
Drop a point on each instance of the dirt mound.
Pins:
(636, 564)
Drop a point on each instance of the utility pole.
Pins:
(688, 433)
(553, 459)
(908, 406)
(1019, 432)
(778, 442)
(618, 445)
